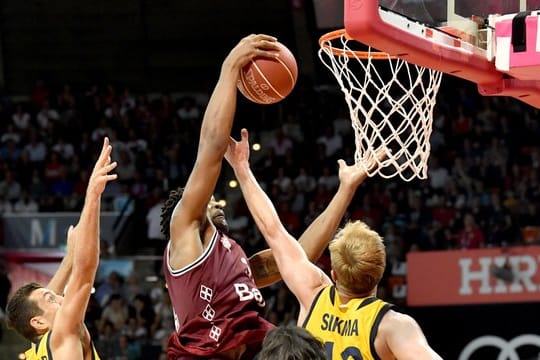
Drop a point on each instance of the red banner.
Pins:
(473, 276)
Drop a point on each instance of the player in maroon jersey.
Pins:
(212, 284)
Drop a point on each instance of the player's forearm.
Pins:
(61, 276)
(86, 249)
(264, 268)
(285, 248)
(260, 206)
(219, 114)
(316, 237)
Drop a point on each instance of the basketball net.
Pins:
(390, 103)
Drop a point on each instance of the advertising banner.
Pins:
(474, 276)
(49, 230)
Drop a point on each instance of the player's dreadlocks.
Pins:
(167, 210)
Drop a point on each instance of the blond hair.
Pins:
(358, 257)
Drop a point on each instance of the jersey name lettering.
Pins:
(245, 293)
(342, 327)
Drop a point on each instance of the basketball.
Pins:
(268, 81)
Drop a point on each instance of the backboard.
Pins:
(456, 37)
(463, 15)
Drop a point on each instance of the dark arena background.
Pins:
(463, 245)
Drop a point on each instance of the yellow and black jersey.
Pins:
(42, 350)
(347, 330)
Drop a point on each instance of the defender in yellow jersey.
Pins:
(347, 329)
(41, 350)
(344, 307)
(55, 323)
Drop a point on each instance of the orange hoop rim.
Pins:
(327, 38)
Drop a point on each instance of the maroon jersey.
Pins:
(215, 301)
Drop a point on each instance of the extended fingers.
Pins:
(245, 135)
(105, 150)
(265, 45)
(380, 155)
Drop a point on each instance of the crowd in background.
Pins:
(482, 188)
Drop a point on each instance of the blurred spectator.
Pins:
(52, 167)
(36, 149)
(304, 182)
(101, 130)
(124, 202)
(328, 179)
(5, 206)
(126, 166)
(64, 149)
(129, 349)
(25, 204)
(292, 128)
(115, 311)
(46, 117)
(470, 236)
(290, 219)
(63, 185)
(66, 99)
(114, 284)
(282, 181)
(332, 141)
(37, 188)
(280, 144)
(108, 344)
(442, 212)
(10, 134)
(40, 94)
(438, 176)
(143, 312)
(188, 110)
(10, 189)
(10, 152)
(21, 118)
(127, 102)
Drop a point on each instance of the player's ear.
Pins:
(39, 323)
(334, 276)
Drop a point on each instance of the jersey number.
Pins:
(349, 353)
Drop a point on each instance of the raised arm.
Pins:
(65, 341)
(316, 237)
(213, 141)
(318, 234)
(301, 276)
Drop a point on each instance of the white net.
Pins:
(391, 105)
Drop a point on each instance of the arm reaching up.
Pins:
(65, 339)
(316, 237)
(300, 275)
(190, 211)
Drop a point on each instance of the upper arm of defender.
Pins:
(405, 338)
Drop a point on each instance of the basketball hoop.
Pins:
(390, 103)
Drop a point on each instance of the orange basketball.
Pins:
(267, 81)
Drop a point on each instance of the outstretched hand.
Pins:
(100, 175)
(237, 153)
(250, 47)
(354, 175)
